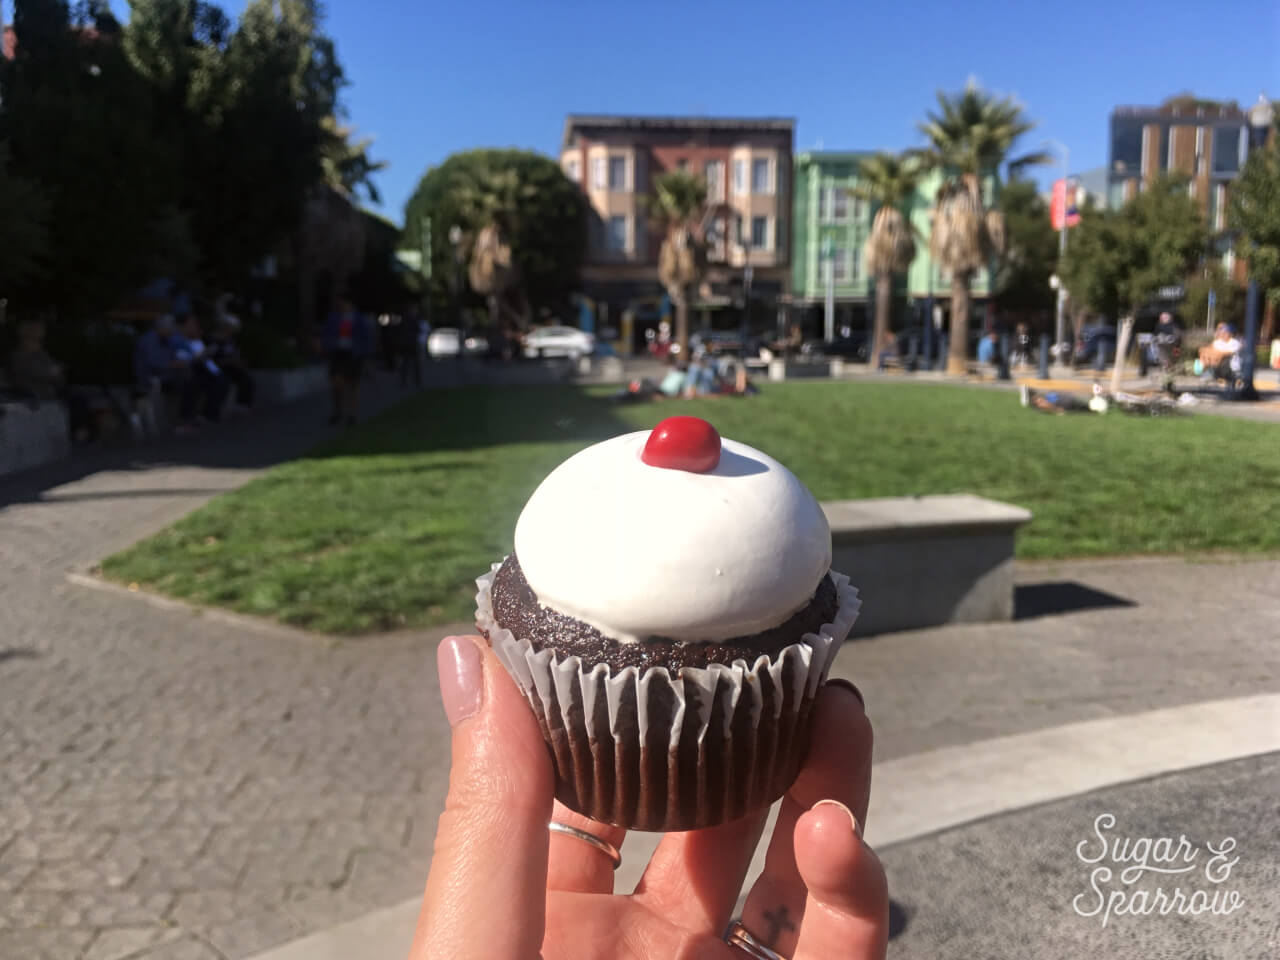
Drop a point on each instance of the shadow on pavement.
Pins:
(254, 442)
(898, 918)
(18, 653)
(1032, 600)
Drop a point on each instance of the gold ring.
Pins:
(739, 936)
(604, 846)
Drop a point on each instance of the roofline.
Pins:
(836, 154)
(659, 122)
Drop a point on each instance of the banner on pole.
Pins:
(1063, 203)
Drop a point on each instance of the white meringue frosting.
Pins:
(642, 551)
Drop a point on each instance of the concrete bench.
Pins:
(780, 369)
(29, 438)
(925, 561)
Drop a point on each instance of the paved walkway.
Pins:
(174, 787)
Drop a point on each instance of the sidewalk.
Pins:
(176, 788)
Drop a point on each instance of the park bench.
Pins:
(926, 561)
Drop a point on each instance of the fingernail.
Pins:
(461, 678)
(857, 827)
(848, 685)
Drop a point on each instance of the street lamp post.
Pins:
(1060, 326)
(747, 273)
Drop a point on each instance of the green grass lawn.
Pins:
(389, 525)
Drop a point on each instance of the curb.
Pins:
(244, 621)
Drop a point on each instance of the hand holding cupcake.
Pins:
(670, 613)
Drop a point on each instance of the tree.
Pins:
(888, 182)
(345, 163)
(1031, 251)
(679, 204)
(1228, 297)
(24, 229)
(490, 199)
(548, 238)
(970, 136)
(1254, 210)
(1117, 260)
(77, 123)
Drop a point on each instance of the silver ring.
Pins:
(604, 846)
(739, 936)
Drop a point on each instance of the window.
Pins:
(859, 209)
(682, 163)
(739, 177)
(714, 172)
(760, 176)
(1115, 194)
(839, 204)
(715, 238)
(856, 271)
(1227, 147)
(822, 204)
(760, 233)
(597, 173)
(571, 169)
(737, 230)
(615, 239)
(1165, 159)
(1126, 145)
(618, 174)
(839, 266)
(1200, 164)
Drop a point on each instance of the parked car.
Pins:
(1090, 339)
(446, 341)
(558, 342)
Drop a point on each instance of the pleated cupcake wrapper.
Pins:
(733, 736)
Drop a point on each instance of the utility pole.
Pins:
(1060, 327)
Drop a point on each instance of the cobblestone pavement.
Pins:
(180, 787)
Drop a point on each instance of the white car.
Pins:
(559, 342)
(445, 341)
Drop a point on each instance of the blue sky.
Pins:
(431, 78)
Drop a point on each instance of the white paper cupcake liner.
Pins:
(650, 750)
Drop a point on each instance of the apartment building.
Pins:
(1203, 140)
(746, 163)
(831, 227)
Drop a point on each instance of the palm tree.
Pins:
(489, 202)
(969, 138)
(679, 202)
(888, 181)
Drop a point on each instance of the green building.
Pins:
(829, 230)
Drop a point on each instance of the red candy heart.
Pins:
(683, 443)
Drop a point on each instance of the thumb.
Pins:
(486, 893)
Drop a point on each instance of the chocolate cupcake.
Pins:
(670, 612)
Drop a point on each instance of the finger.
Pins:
(838, 767)
(694, 878)
(576, 866)
(485, 893)
(847, 911)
